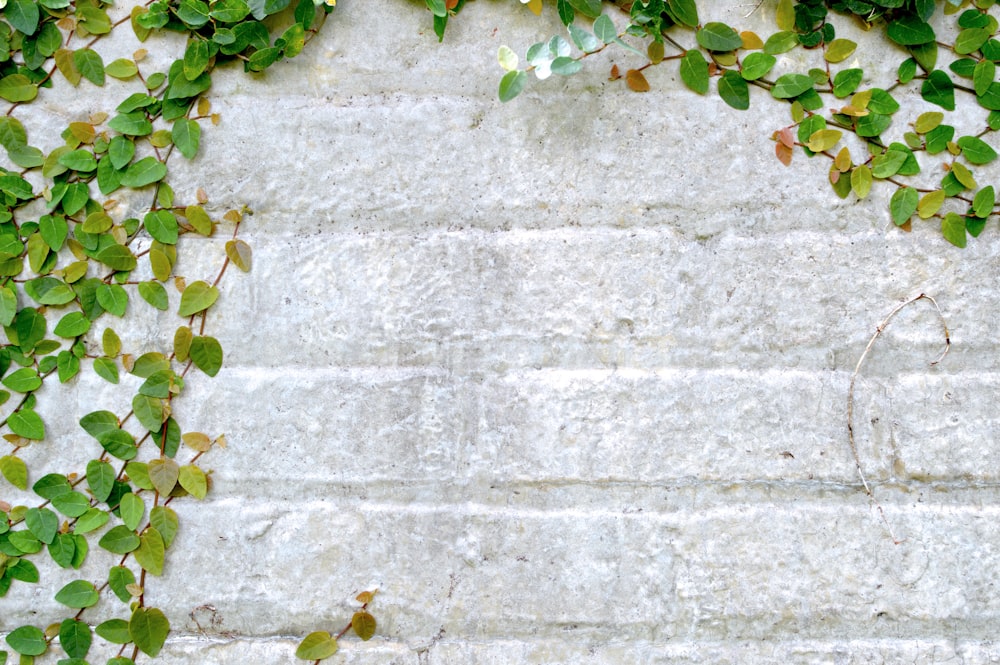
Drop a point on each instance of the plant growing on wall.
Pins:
(72, 266)
(929, 163)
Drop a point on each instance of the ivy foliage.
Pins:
(931, 165)
(71, 269)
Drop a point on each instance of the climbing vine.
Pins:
(929, 164)
(74, 262)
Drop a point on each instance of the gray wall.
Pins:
(565, 378)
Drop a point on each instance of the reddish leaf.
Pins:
(783, 153)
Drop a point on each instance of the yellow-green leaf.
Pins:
(930, 203)
(194, 481)
(839, 50)
(824, 139)
(927, 121)
(317, 646)
(239, 253)
(861, 181)
(964, 175)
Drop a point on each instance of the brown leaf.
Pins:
(786, 137)
(615, 74)
(636, 81)
(783, 153)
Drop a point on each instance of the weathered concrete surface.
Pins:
(565, 378)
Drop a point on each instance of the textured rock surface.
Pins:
(565, 378)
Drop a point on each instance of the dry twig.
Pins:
(850, 395)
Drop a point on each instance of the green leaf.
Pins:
(17, 88)
(953, 229)
(970, 39)
(888, 163)
(15, 471)
(872, 125)
(150, 553)
(164, 520)
(756, 65)
(119, 578)
(206, 352)
(982, 204)
(132, 509)
(113, 298)
(121, 69)
(27, 641)
(26, 423)
(12, 133)
(132, 124)
(51, 485)
(197, 297)
(90, 65)
(106, 368)
(144, 172)
(734, 91)
(437, 7)
(120, 540)
(565, 66)
(154, 293)
(907, 70)
(512, 84)
(121, 150)
(149, 411)
(62, 548)
(317, 646)
(117, 257)
(791, 85)
(23, 15)
(694, 71)
(100, 479)
(903, 204)
(909, 30)
(939, 89)
(186, 135)
(149, 629)
(75, 638)
(781, 42)
(91, 520)
(718, 37)
(684, 11)
(73, 504)
(42, 523)
(604, 29)
(230, 11)
(8, 305)
(78, 594)
(72, 325)
(983, 75)
(976, 150)
(23, 380)
(114, 631)
(589, 8)
(162, 225)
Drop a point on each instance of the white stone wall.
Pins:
(565, 378)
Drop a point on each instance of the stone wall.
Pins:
(566, 378)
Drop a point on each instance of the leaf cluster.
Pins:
(833, 113)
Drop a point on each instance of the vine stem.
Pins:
(850, 396)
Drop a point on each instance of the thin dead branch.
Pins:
(850, 395)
